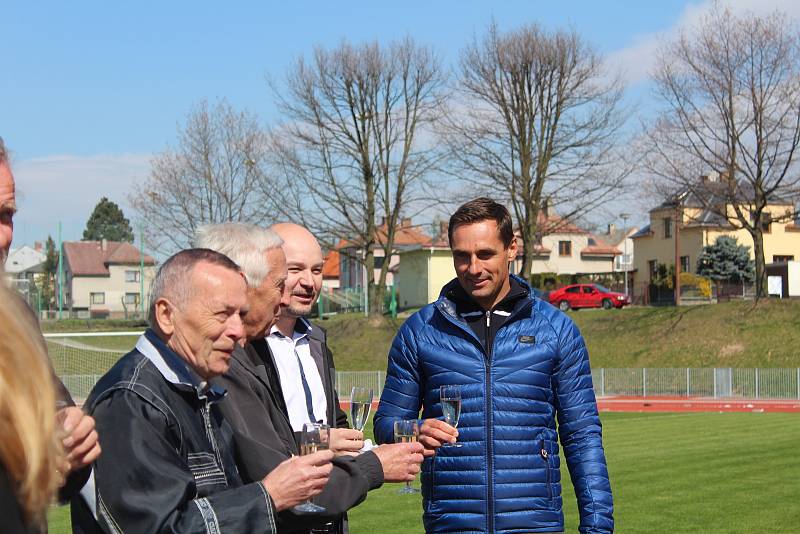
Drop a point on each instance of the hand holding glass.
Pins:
(451, 407)
(360, 405)
(406, 432)
(314, 437)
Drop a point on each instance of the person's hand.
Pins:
(80, 440)
(346, 441)
(298, 479)
(400, 461)
(433, 433)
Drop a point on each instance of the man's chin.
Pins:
(297, 311)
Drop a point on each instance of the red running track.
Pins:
(695, 404)
(676, 404)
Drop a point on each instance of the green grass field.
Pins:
(678, 473)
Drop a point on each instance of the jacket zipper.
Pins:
(489, 442)
(210, 433)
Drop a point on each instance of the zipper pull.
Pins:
(488, 318)
(543, 452)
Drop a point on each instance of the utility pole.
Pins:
(624, 217)
(141, 270)
(60, 272)
(678, 218)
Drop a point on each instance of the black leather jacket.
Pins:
(168, 461)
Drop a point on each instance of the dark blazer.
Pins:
(264, 438)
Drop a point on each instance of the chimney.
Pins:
(37, 246)
(547, 207)
(383, 221)
(405, 222)
(104, 245)
(611, 228)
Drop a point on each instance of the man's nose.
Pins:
(474, 266)
(236, 327)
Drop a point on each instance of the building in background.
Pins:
(330, 271)
(565, 248)
(699, 227)
(24, 270)
(351, 270)
(103, 279)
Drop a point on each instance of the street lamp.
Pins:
(625, 217)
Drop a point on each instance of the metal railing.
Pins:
(725, 382)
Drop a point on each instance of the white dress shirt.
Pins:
(285, 350)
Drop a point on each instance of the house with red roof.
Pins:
(104, 278)
(566, 248)
(351, 271)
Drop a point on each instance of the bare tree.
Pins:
(354, 144)
(214, 175)
(730, 87)
(537, 123)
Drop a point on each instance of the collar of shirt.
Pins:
(302, 328)
(173, 368)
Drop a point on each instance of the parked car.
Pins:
(587, 296)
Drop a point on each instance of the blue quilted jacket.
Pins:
(505, 478)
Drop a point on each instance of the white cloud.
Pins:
(66, 188)
(636, 61)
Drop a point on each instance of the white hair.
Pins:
(244, 243)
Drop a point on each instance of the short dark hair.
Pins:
(483, 209)
(172, 278)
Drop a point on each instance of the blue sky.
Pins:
(90, 90)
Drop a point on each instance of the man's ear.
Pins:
(165, 316)
(512, 249)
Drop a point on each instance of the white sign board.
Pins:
(775, 285)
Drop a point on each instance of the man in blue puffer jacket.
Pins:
(520, 364)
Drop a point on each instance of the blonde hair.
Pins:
(29, 446)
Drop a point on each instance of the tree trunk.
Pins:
(758, 252)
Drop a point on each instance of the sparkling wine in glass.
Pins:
(406, 432)
(451, 407)
(314, 437)
(360, 405)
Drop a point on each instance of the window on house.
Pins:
(780, 259)
(652, 267)
(131, 276)
(379, 261)
(97, 298)
(131, 299)
(685, 267)
(565, 248)
(667, 227)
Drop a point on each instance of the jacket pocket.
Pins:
(545, 455)
(428, 480)
(205, 469)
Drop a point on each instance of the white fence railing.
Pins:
(725, 382)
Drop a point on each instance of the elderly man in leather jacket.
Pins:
(168, 462)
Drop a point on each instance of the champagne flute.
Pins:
(406, 432)
(314, 437)
(360, 406)
(451, 407)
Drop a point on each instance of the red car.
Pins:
(587, 296)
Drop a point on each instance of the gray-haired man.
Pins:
(262, 431)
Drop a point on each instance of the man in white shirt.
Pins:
(303, 364)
